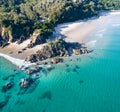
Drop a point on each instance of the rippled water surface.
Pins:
(89, 83)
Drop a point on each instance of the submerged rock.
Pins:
(67, 65)
(46, 95)
(4, 103)
(28, 72)
(81, 81)
(77, 67)
(33, 70)
(20, 102)
(50, 68)
(74, 70)
(36, 75)
(7, 86)
(26, 82)
(5, 78)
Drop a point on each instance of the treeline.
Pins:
(21, 18)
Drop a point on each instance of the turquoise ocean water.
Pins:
(89, 83)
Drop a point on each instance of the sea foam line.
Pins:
(18, 62)
(115, 25)
(91, 43)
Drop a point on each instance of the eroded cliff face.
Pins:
(5, 34)
(37, 38)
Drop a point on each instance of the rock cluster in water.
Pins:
(7, 86)
(26, 82)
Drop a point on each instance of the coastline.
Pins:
(20, 63)
(77, 31)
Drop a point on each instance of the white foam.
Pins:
(18, 62)
(115, 13)
(91, 43)
(100, 35)
(115, 25)
(102, 31)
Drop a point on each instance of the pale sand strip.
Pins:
(18, 62)
(79, 30)
(13, 48)
(74, 32)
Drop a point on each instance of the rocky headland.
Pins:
(56, 50)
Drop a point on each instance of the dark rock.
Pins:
(5, 44)
(22, 38)
(50, 69)
(4, 103)
(25, 83)
(58, 48)
(23, 49)
(57, 60)
(15, 70)
(29, 72)
(7, 86)
(32, 58)
(37, 38)
(36, 76)
(45, 63)
(19, 52)
(31, 45)
(33, 70)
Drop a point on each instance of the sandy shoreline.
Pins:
(78, 31)
(18, 62)
(73, 32)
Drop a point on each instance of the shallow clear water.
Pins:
(89, 83)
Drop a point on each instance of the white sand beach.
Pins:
(74, 32)
(79, 30)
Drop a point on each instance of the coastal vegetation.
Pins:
(35, 20)
(57, 48)
(20, 19)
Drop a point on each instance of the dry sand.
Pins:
(73, 32)
(78, 31)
